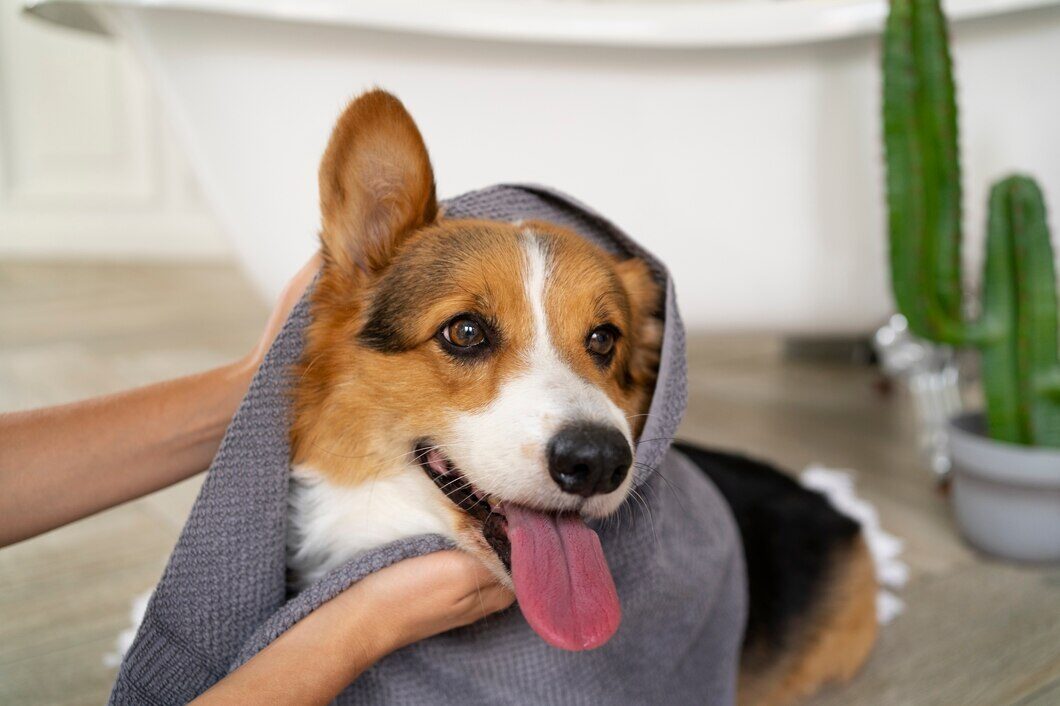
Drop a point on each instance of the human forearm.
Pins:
(313, 661)
(62, 463)
(406, 602)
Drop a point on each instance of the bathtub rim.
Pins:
(665, 25)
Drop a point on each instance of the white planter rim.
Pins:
(999, 461)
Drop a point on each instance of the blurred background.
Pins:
(157, 188)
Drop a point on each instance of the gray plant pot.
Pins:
(1006, 496)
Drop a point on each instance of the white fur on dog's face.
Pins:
(502, 448)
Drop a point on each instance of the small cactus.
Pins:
(1016, 329)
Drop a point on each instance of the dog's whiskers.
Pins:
(667, 481)
(454, 481)
(647, 507)
(660, 438)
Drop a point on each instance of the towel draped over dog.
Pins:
(673, 550)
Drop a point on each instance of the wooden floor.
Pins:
(975, 631)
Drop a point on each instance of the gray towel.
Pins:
(674, 553)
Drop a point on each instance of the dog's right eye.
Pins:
(464, 333)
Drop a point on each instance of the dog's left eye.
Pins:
(464, 333)
(601, 341)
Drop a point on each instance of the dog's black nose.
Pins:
(588, 459)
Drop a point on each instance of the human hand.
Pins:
(289, 296)
(424, 596)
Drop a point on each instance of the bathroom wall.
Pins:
(88, 168)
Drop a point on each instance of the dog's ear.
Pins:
(645, 295)
(376, 183)
(645, 301)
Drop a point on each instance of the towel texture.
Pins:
(673, 550)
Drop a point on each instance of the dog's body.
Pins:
(487, 382)
(812, 609)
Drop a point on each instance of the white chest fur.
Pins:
(329, 524)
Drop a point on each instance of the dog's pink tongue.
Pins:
(564, 587)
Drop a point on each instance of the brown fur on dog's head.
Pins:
(374, 377)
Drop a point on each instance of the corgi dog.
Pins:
(488, 381)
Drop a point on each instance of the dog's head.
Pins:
(509, 365)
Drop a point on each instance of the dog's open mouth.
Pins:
(557, 564)
(459, 490)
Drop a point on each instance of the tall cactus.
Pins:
(1016, 329)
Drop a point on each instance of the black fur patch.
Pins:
(791, 539)
(421, 274)
(383, 332)
(402, 294)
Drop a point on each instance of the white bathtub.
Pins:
(739, 139)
